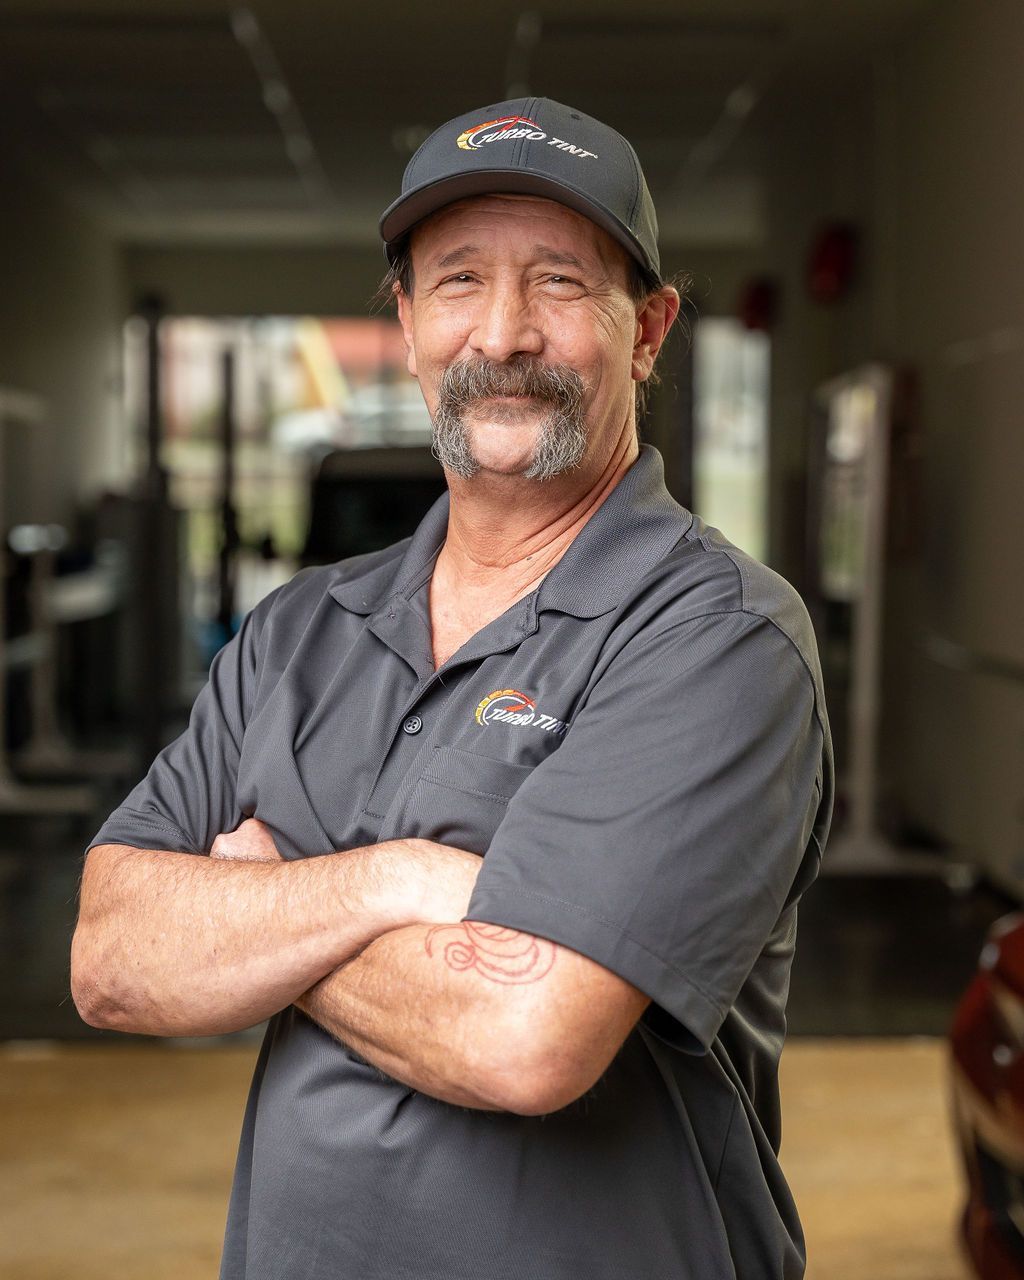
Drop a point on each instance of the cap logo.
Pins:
(511, 128)
(498, 130)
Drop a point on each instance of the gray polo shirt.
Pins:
(640, 750)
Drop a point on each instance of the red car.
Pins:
(988, 1101)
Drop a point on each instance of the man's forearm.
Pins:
(443, 1008)
(175, 944)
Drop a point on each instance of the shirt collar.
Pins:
(635, 527)
(370, 580)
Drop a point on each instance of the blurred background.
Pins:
(198, 396)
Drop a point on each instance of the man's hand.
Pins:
(251, 841)
(440, 876)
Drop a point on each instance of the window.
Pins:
(730, 446)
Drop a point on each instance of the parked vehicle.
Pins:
(988, 1100)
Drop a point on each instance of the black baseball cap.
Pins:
(531, 146)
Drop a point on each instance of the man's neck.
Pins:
(510, 531)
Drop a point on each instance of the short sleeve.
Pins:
(189, 794)
(667, 833)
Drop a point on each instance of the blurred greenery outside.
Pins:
(303, 386)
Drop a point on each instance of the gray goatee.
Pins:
(562, 440)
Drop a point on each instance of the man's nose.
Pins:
(505, 326)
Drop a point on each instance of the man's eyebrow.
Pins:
(455, 257)
(557, 257)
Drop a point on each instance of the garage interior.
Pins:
(191, 355)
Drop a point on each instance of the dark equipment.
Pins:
(366, 499)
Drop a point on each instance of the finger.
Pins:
(231, 846)
(258, 836)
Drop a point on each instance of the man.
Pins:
(560, 1060)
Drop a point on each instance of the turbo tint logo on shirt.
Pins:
(511, 128)
(509, 706)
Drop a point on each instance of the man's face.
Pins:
(521, 331)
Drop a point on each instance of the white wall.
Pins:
(60, 331)
(953, 211)
(245, 280)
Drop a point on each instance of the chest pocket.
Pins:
(458, 799)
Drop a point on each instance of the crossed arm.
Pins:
(367, 945)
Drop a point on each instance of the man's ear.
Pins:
(653, 321)
(405, 318)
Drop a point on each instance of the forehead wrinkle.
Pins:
(541, 253)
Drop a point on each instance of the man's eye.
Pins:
(565, 284)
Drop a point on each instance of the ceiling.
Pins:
(291, 120)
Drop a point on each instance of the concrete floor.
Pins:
(116, 1153)
(116, 1158)
(869, 1153)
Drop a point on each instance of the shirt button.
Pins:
(413, 725)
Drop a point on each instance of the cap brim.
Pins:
(411, 208)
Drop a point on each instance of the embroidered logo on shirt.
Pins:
(509, 706)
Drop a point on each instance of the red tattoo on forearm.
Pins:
(503, 955)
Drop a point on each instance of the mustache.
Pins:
(468, 380)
